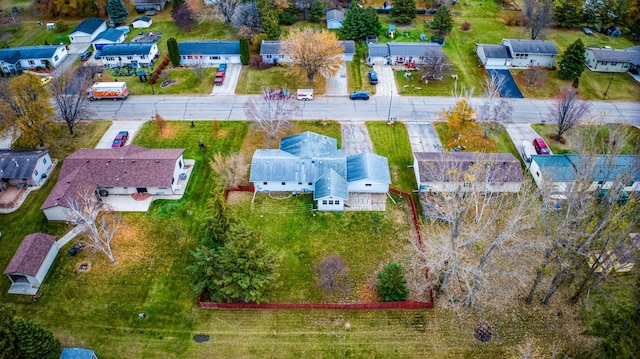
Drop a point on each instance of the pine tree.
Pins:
(392, 286)
(117, 11)
(372, 21)
(568, 13)
(244, 51)
(35, 342)
(572, 63)
(403, 11)
(8, 340)
(316, 11)
(442, 20)
(174, 51)
(353, 26)
(269, 19)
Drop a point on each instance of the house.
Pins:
(270, 51)
(559, 173)
(142, 22)
(157, 5)
(109, 37)
(335, 19)
(28, 168)
(123, 171)
(517, 53)
(438, 172)
(393, 53)
(129, 53)
(311, 163)
(15, 59)
(209, 53)
(88, 30)
(612, 60)
(78, 353)
(31, 262)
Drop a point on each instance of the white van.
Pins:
(305, 94)
(527, 150)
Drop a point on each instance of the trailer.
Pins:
(113, 90)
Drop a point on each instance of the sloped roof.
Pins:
(531, 46)
(349, 46)
(331, 184)
(270, 47)
(129, 166)
(335, 15)
(629, 55)
(495, 51)
(143, 19)
(128, 48)
(416, 49)
(368, 166)
(31, 254)
(77, 353)
(278, 165)
(89, 26)
(564, 168)
(209, 47)
(28, 52)
(378, 50)
(110, 34)
(556, 168)
(309, 145)
(19, 164)
(455, 166)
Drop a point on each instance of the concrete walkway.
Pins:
(386, 81)
(423, 137)
(71, 235)
(337, 85)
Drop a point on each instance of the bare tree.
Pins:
(314, 52)
(69, 94)
(333, 274)
(100, 228)
(198, 67)
(534, 75)
(159, 122)
(495, 109)
(567, 110)
(435, 65)
(272, 114)
(538, 15)
(226, 8)
(232, 168)
(246, 19)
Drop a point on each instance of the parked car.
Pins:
(541, 147)
(219, 80)
(97, 55)
(222, 68)
(86, 55)
(373, 77)
(45, 80)
(359, 95)
(121, 139)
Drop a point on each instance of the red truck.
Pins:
(219, 78)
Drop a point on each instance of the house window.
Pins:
(337, 202)
(310, 183)
(284, 183)
(324, 201)
(129, 57)
(331, 201)
(35, 172)
(300, 183)
(55, 58)
(214, 57)
(625, 65)
(264, 183)
(600, 182)
(614, 63)
(189, 57)
(173, 180)
(32, 63)
(367, 185)
(629, 184)
(143, 56)
(537, 173)
(179, 164)
(111, 58)
(44, 161)
(268, 56)
(604, 62)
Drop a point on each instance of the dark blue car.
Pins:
(359, 95)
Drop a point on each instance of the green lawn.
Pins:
(188, 82)
(393, 143)
(631, 145)
(252, 80)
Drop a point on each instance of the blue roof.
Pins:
(128, 48)
(556, 167)
(142, 18)
(110, 34)
(563, 168)
(28, 52)
(309, 145)
(209, 47)
(331, 184)
(368, 166)
(278, 165)
(89, 26)
(77, 353)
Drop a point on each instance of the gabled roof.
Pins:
(309, 145)
(19, 164)
(556, 168)
(77, 353)
(143, 19)
(31, 254)
(28, 52)
(89, 26)
(368, 166)
(128, 48)
(217, 47)
(378, 50)
(270, 47)
(531, 46)
(454, 167)
(331, 184)
(110, 34)
(564, 168)
(335, 15)
(496, 51)
(349, 46)
(129, 166)
(417, 49)
(278, 165)
(629, 55)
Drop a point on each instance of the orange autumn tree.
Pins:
(460, 115)
(314, 52)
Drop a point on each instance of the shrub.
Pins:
(153, 80)
(257, 42)
(61, 26)
(466, 26)
(392, 286)
(256, 62)
(244, 51)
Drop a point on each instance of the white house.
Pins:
(311, 163)
(31, 262)
(28, 168)
(209, 53)
(88, 30)
(142, 22)
(612, 60)
(517, 53)
(438, 172)
(157, 5)
(335, 19)
(270, 51)
(32, 57)
(393, 53)
(129, 53)
(123, 171)
(109, 37)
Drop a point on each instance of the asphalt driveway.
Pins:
(509, 87)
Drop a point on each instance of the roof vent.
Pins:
(121, 159)
(157, 161)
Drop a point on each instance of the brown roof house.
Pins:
(467, 172)
(123, 171)
(31, 262)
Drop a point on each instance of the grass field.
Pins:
(472, 137)
(252, 80)
(393, 143)
(188, 82)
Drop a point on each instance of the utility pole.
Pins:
(607, 90)
(389, 114)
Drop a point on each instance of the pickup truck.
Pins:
(219, 78)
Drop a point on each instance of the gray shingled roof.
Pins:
(335, 15)
(278, 165)
(611, 55)
(452, 166)
(19, 164)
(562, 168)
(378, 50)
(31, 254)
(270, 47)
(331, 184)
(142, 18)
(416, 49)
(217, 47)
(309, 145)
(368, 166)
(496, 51)
(127, 48)
(349, 46)
(89, 26)
(110, 34)
(13, 54)
(532, 46)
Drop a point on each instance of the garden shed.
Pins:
(335, 19)
(31, 262)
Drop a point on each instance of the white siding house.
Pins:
(88, 30)
(142, 22)
(393, 53)
(270, 52)
(24, 167)
(517, 53)
(611, 60)
(32, 57)
(31, 262)
(109, 37)
(335, 19)
(209, 53)
(130, 53)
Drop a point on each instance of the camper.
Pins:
(527, 150)
(114, 90)
(305, 94)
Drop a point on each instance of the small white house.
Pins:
(612, 60)
(129, 53)
(335, 19)
(109, 37)
(31, 262)
(32, 57)
(88, 30)
(142, 22)
(517, 53)
(209, 53)
(270, 51)
(393, 53)
(24, 167)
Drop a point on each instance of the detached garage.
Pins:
(31, 262)
(88, 30)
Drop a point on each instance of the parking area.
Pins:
(132, 126)
(355, 138)
(386, 81)
(423, 137)
(228, 87)
(505, 83)
(337, 85)
(519, 133)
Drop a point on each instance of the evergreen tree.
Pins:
(442, 20)
(117, 11)
(269, 19)
(245, 55)
(371, 21)
(316, 11)
(568, 13)
(35, 342)
(217, 221)
(174, 52)
(403, 11)
(8, 340)
(353, 26)
(392, 286)
(572, 63)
